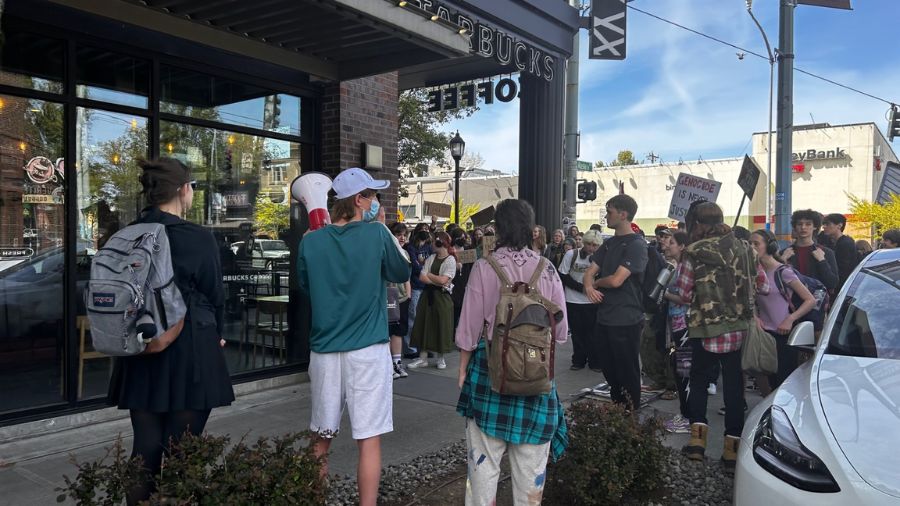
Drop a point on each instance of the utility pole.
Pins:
(570, 153)
(785, 120)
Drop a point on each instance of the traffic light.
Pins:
(586, 191)
(591, 191)
(227, 167)
(894, 124)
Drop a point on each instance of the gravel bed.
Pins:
(689, 483)
(693, 483)
(400, 480)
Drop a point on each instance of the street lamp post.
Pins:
(769, 131)
(457, 149)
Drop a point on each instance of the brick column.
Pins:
(358, 111)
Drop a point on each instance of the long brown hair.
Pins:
(705, 220)
(541, 240)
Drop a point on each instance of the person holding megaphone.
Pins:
(343, 267)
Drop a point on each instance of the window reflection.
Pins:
(18, 65)
(32, 220)
(188, 93)
(108, 198)
(242, 197)
(112, 77)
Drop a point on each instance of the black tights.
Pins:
(152, 432)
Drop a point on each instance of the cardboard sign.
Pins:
(691, 188)
(488, 243)
(483, 217)
(466, 256)
(749, 177)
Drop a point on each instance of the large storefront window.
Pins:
(242, 197)
(189, 93)
(77, 127)
(32, 222)
(109, 197)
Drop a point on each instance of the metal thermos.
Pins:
(662, 281)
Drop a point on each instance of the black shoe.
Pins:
(576, 367)
(411, 355)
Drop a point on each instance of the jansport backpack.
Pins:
(521, 353)
(131, 296)
(816, 315)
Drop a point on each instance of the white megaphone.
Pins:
(312, 190)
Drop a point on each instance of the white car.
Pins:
(830, 434)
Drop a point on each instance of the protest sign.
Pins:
(688, 189)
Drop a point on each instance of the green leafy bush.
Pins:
(611, 458)
(206, 470)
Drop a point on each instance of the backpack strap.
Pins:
(532, 283)
(499, 270)
(574, 258)
(782, 287)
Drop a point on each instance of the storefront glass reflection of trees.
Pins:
(240, 140)
(32, 220)
(242, 198)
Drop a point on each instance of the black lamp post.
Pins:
(457, 149)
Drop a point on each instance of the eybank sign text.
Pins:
(812, 154)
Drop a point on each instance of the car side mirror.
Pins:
(803, 335)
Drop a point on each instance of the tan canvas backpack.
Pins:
(521, 353)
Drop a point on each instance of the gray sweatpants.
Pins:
(528, 464)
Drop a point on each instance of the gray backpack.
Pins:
(131, 296)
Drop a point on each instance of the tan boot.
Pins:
(729, 454)
(696, 447)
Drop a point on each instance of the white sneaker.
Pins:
(711, 389)
(417, 363)
(441, 363)
(399, 370)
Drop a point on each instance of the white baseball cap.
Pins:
(352, 181)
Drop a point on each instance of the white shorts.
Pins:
(363, 379)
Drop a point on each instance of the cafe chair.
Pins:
(271, 321)
(85, 353)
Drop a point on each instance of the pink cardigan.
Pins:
(483, 294)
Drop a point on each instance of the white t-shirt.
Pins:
(581, 265)
(448, 268)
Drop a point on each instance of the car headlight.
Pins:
(778, 450)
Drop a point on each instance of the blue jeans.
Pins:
(413, 304)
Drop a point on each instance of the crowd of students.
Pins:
(724, 281)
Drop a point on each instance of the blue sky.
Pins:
(683, 96)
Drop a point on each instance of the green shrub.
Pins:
(206, 470)
(611, 458)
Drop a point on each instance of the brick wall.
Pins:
(358, 111)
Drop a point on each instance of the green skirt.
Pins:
(433, 329)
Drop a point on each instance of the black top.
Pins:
(191, 373)
(624, 305)
(825, 271)
(845, 254)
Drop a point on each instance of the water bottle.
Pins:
(662, 281)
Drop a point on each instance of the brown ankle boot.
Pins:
(729, 454)
(696, 447)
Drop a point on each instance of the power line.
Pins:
(758, 55)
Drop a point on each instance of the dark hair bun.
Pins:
(161, 179)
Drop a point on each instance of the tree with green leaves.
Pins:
(421, 140)
(880, 217)
(625, 157)
(271, 218)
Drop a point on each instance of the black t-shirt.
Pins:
(624, 305)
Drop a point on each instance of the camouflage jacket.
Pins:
(721, 286)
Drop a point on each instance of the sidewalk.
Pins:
(425, 420)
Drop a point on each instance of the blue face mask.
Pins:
(372, 212)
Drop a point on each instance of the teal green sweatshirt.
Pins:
(343, 270)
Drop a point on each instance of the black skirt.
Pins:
(191, 374)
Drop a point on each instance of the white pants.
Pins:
(363, 380)
(528, 464)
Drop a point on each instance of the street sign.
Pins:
(607, 35)
(688, 189)
(584, 166)
(749, 177)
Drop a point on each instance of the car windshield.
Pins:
(868, 322)
(274, 246)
